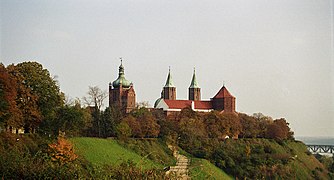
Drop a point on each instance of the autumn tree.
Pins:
(10, 114)
(249, 126)
(148, 123)
(62, 151)
(134, 125)
(279, 130)
(263, 122)
(26, 100)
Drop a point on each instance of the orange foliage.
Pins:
(62, 151)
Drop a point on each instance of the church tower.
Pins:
(122, 93)
(223, 100)
(194, 89)
(169, 90)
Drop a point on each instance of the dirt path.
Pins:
(181, 169)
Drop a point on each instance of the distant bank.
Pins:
(316, 140)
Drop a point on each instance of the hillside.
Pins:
(263, 158)
(107, 151)
(146, 153)
(203, 169)
(146, 158)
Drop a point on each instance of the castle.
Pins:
(223, 101)
(122, 94)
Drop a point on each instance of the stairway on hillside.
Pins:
(180, 171)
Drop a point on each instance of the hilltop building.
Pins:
(122, 93)
(223, 101)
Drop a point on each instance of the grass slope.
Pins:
(203, 169)
(108, 151)
(306, 163)
(306, 166)
(152, 148)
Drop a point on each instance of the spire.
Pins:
(169, 82)
(194, 83)
(121, 68)
(121, 78)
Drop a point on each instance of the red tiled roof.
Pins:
(203, 105)
(180, 104)
(223, 92)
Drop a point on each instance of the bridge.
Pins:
(320, 148)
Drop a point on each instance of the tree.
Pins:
(134, 125)
(148, 123)
(46, 91)
(123, 131)
(95, 97)
(250, 127)
(26, 100)
(279, 130)
(108, 123)
(72, 120)
(10, 115)
(192, 132)
(212, 121)
(62, 151)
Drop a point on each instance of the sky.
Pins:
(275, 57)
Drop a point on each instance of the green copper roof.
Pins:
(194, 83)
(157, 102)
(121, 78)
(169, 82)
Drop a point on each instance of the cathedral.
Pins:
(122, 93)
(223, 101)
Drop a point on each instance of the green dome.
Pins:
(157, 102)
(121, 79)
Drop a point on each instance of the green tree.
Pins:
(123, 131)
(45, 88)
(108, 123)
(192, 132)
(72, 120)
(94, 101)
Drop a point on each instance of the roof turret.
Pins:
(194, 83)
(169, 82)
(121, 78)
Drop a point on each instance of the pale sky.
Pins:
(276, 57)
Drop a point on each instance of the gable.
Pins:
(223, 93)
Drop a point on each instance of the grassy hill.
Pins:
(146, 153)
(107, 151)
(203, 169)
(152, 153)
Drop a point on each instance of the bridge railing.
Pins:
(320, 148)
